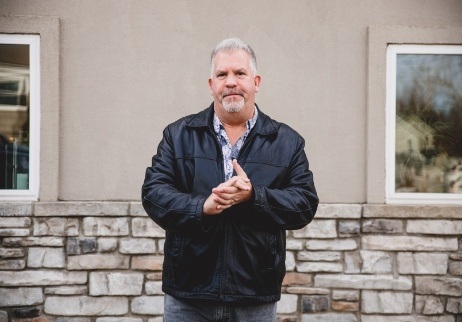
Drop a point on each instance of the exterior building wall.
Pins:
(102, 261)
(126, 69)
(115, 73)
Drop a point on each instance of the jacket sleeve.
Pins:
(294, 205)
(162, 198)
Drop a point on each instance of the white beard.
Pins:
(233, 106)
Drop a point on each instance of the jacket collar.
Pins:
(264, 125)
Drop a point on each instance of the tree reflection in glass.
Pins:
(428, 123)
(14, 116)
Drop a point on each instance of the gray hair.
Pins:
(230, 45)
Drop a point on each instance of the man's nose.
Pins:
(231, 81)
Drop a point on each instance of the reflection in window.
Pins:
(14, 116)
(428, 133)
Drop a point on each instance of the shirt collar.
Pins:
(217, 125)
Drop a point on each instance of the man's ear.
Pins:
(257, 81)
(210, 85)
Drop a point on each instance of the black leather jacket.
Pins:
(237, 256)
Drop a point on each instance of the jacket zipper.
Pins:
(245, 146)
(223, 224)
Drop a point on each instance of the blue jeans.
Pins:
(176, 310)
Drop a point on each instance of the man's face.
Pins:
(233, 84)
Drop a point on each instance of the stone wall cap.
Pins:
(411, 211)
(73, 208)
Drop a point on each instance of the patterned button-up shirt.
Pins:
(231, 152)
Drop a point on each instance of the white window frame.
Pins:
(392, 196)
(34, 122)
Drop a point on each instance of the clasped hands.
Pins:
(229, 193)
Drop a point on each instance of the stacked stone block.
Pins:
(102, 261)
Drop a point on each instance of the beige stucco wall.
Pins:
(128, 68)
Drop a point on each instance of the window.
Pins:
(424, 124)
(19, 116)
(41, 35)
(380, 39)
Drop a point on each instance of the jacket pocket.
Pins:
(270, 252)
(176, 254)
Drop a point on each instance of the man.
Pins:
(226, 183)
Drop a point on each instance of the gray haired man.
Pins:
(225, 184)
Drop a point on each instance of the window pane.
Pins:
(428, 150)
(14, 116)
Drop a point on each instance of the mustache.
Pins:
(232, 92)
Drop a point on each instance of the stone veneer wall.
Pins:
(102, 261)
